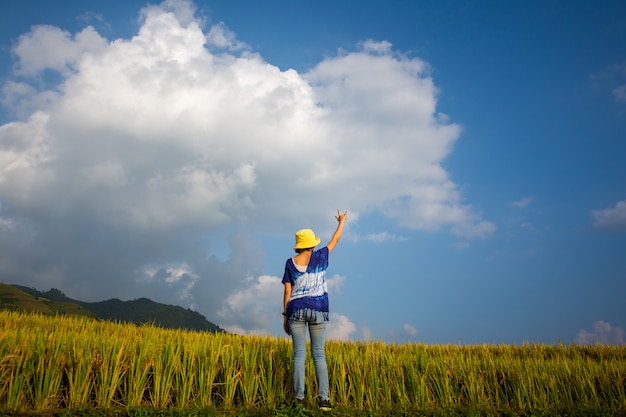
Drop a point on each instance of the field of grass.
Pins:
(59, 365)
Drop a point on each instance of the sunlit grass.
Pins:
(49, 363)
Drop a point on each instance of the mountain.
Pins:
(139, 311)
(13, 298)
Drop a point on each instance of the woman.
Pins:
(305, 303)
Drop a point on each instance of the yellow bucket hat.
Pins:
(305, 239)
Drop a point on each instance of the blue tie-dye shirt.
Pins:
(308, 289)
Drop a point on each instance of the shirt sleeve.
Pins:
(287, 274)
(320, 261)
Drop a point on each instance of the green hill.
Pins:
(13, 298)
(140, 311)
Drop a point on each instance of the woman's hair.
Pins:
(303, 250)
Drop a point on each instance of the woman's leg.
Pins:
(317, 331)
(298, 335)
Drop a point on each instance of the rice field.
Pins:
(71, 363)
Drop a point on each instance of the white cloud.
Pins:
(602, 333)
(470, 228)
(6, 224)
(612, 79)
(185, 12)
(48, 47)
(381, 237)
(339, 327)
(253, 308)
(400, 176)
(523, 203)
(220, 37)
(409, 330)
(366, 333)
(180, 279)
(383, 48)
(146, 145)
(256, 307)
(612, 218)
(177, 124)
(620, 93)
(335, 284)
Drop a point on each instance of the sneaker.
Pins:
(325, 405)
(301, 401)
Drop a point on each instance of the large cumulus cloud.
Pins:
(124, 154)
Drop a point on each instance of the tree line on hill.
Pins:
(139, 311)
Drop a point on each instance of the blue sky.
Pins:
(171, 150)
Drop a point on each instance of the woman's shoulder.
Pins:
(320, 253)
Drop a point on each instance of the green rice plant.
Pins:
(337, 377)
(165, 365)
(406, 385)
(229, 374)
(283, 377)
(271, 375)
(135, 385)
(16, 372)
(440, 382)
(4, 373)
(249, 371)
(78, 371)
(375, 362)
(207, 367)
(18, 367)
(357, 384)
(185, 378)
(47, 363)
(111, 367)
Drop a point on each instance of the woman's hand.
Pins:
(286, 325)
(341, 217)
